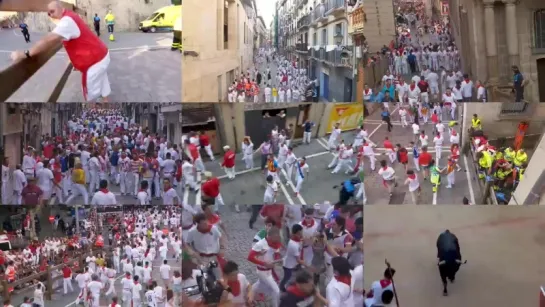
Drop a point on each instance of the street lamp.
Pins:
(338, 39)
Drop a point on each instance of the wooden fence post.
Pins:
(49, 284)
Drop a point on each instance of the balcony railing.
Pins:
(303, 22)
(356, 21)
(18, 73)
(300, 3)
(301, 48)
(335, 6)
(318, 14)
(340, 57)
(322, 54)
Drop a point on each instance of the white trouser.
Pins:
(157, 184)
(218, 201)
(267, 97)
(438, 151)
(404, 121)
(67, 283)
(123, 182)
(372, 161)
(66, 183)
(289, 171)
(306, 137)
(208, 149)
(299, 184)
(117, 264)
(425, 97)
(391, 155)
(344, 164)
(82, 295)
(450, 179)
(269, 198)
(126, 297)
(6, 199)
(230, 171)
(189, 180)
(77, 190)
(114, 174)
(135, 182)
(281, 160)
(199, 165)
(434, 88)
(249, 160)
(274, 175)
(308, 255)
(94, 181)
(267, 285)
(334, 161)
(87, 174)
(136, 302)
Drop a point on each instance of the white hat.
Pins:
(226, 147)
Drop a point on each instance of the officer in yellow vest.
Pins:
(520, 157)
(110, 22)
(509, 154)
(177, 37)
(485, 163)
(476, 123)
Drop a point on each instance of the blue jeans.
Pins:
(285, 278)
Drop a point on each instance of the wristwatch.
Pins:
(27, 53)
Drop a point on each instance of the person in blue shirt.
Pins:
(385, 115)
(307, 126)
(389, 88)
(518, 84)
(96, 23)
(24, 29)
(114, 160)
(411, 59)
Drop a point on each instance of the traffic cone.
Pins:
(112, 38)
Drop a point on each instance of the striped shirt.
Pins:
(135, 166)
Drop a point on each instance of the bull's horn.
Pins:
(442, 262)
(458, 261)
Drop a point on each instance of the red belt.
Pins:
(207, 255)
(263, 269)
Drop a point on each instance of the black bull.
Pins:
(449, 256)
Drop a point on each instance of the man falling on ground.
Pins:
(87, 53)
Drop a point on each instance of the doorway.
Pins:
(347, 90)
(541, 78)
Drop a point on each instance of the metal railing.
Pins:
(513, 108)
(300, 3)
(301, 47)
(19, 72)
(303, 21)
(334, 5)
(340, 57)
(318, 13)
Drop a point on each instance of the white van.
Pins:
(5, 245)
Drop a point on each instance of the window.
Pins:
(324, 36)
(339, 28)
(539, 29)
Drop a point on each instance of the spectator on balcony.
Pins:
(86, 51)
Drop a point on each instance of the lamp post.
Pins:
(338, 39)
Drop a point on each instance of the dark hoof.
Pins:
(445, 293)
(451, 280)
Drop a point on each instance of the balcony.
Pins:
(322, 55)
(301, 48)
(318, 14)
(303, 22)
(356, 21)
(340, 57)
(335, 7)
(299, 4)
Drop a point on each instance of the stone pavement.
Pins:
(465, 180)
(249, 185)
(491, 239)
(142, 69)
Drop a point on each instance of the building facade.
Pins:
(494, 35)
(218, 40)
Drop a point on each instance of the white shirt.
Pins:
(45, 177)
(387, 173)
(416, 128)
(169, 197)
(127, 284)
(432, 78)
(204, 242)
(95, 287)
(271, 189)
(423, 140)
(414, 184)
(164, 269)
(106, 199)
(467, 88)
(293, 252)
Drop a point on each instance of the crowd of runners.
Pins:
(136, 248)
(301, 254)
(260, 84)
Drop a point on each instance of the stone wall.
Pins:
(128, 13)
(380, 26)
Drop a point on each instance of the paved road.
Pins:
(491, 238)
(249, 185)
(142, 69)
(465, 180)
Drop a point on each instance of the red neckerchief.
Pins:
(296, 291)
(366, 91)
(347, 280)
(235, 287)
(207, 230)
(166, 189)
(466, 80)
(385, 168)
(412, 176)
(105, 191)
(213, 219)
(275, 245)
(453, 132)
(143, 191)
(412, 87)
(296, 239)
(385, 283)
(308, 224)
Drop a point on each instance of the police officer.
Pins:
(96, 23)
(476, 123)
(24, 30)
(177, 37)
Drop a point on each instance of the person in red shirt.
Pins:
(31, 193)
(274, 212)
(48, 150)
(204, 140)
(213, 218)
(210, 189)
(390, 151)
(67, 279)
(229, 162)
(424, 160)
(193, 153)
(402, 156)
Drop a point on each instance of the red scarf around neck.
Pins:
(235, 287)
(295, 238)
(308, 224)
(274, 245)
(347, 280)
(105, 191)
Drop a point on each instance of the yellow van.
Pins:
(162, 19)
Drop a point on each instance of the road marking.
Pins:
(381, 124)
(471, 193)
(299, 197)
(285, 191)
(434, 199)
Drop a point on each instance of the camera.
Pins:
(207, 284)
